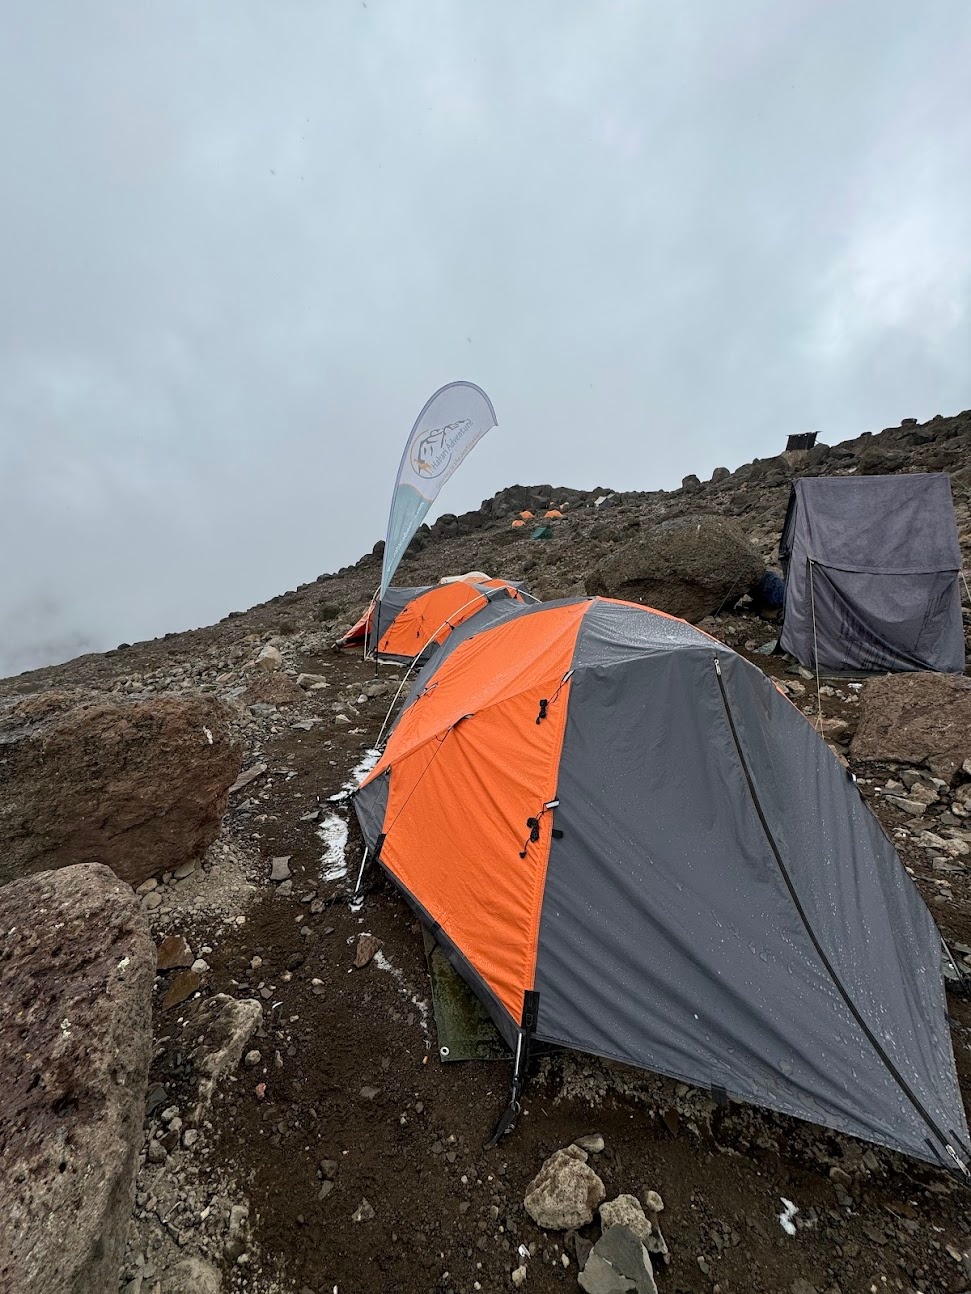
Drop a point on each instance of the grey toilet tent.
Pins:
(630, 843)
(872, 567)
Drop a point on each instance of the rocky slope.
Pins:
(301, 1133)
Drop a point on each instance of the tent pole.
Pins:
(812, 601)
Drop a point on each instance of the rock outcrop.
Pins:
(688, 566)
(76, 969)
(916, 719)
(140, 787)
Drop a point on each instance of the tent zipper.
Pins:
(905, 1087)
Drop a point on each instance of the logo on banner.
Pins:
(431, 455)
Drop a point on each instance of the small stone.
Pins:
(280, 868)
(311, 682)
(200, 966)
(363, 1213)
(157, 1154)
(369, 1093)
(367, 946)
(190, 1137)
(152, 901)
(269, 658)
(146, 887)
(173, 953)
(592, 1142)
(565, 1191)
(183, 872)
(194, 1276)
(617, 1264)
(252, 1058)
(181, 987)
(519, 1275)
(249, 775)
(913, 808)
(625, 1211)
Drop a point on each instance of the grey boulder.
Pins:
(618, 1264)
(688, 567)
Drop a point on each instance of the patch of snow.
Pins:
(333, 833)
(358, 773)
(381, 962)
(789, 1211)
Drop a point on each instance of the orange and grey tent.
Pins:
(408, 624)
(628, 842)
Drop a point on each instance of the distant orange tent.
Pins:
(526, 515)
(552, 514)
(408, 624)
(518, 524)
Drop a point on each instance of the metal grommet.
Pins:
(443, 1052)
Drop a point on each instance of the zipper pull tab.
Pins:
(718, 667)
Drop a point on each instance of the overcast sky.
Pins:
(241, 243)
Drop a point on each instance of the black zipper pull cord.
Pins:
(545, 704)
(534, 824)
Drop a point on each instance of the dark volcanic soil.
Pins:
(359, 1082)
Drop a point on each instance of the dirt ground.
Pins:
(351, 1073)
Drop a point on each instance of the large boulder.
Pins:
(76, 970)
(916, 719)
(565, 1192)
(139, 786)
(688, 566)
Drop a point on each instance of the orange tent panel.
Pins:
(501, 770)
(430, 618)
(358, 632)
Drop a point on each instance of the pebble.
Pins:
(173, 953)
(367, 946)
(270, 658)
(592, 1141)
(253, 1058)
(280, 868)
(363, 1213)
(152, 900)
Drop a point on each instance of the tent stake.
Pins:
(520, 1065)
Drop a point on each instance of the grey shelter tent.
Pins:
(872, 568)
(630, 843)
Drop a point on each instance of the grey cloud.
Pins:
(242, 243)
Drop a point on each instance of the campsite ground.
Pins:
(347, 1101)
(358, 1081)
